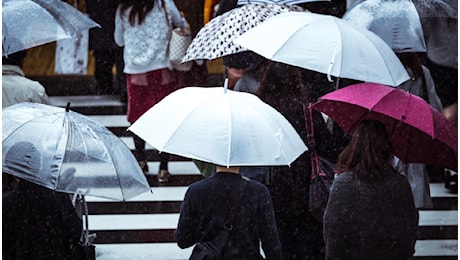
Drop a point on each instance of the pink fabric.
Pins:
(419, 133)
(146, 89)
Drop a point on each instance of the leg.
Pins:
(103, 71)
(120, 75)
(139, 145)
(163, 175)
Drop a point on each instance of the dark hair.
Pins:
(139, 10)
(369, 153)
(281, 85)
(413, 61)
(16, 58)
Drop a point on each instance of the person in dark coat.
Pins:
(38, 223)
(207, 204)
(370, 213)
(289, 90)
(106, 52)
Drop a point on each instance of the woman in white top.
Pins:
(143, 28)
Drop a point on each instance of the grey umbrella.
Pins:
(29, 23)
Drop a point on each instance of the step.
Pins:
(424, 250)
(156, 228)
(158, 251)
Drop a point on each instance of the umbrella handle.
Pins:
(329, 69)
(86, 236)
(225, 85)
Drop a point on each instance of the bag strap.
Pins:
(166, 14)
(310, 130)
(228, 225)
(311, 143)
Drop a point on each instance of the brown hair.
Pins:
(369, 153)
(139, 10)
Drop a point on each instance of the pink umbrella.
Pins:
(419, 133)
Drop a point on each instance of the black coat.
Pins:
(39, 223)
(206, 206)
(103, 13)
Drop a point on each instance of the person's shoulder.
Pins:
(343, 176)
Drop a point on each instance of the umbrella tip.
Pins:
(67, 108)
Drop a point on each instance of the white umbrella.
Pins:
(287, 2)
(220, 126)
(29, 23)
(215, 39)
(325, 44)
(77, 154)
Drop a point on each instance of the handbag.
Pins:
(212, 250)
(178, 44)
(179, 41)
(322, 173)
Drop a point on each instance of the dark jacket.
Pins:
(102, 12)
(39, 223)
(373, 219)
(206, 206)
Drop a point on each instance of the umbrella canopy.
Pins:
(287, 2)
(438, 18)
(396, 22)
(419, 133)
(440, 25)
(78, 155)
(325, 44)
(29, 23)
(220, 126)
(215, 39)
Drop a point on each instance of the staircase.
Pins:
(143, 228)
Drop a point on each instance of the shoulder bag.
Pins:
(179, 41)
(212, 250)
(322, 172)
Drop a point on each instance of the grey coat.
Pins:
(370, 219)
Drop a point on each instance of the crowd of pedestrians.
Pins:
(274, 215)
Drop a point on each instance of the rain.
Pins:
(275, 129)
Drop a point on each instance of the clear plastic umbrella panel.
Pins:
(29, 23)
(220, 126)
(396, 22)
(78, 155)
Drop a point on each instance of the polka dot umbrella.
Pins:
(215, 39)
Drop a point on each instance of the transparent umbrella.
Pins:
(29, 23)
(78, 155)
(396, 22)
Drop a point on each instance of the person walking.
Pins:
(38, 223)
(16, 87)
(143, 27)
(207, 204)
(370, 212)
(289, 90)
(106, 52)
(421, 84)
